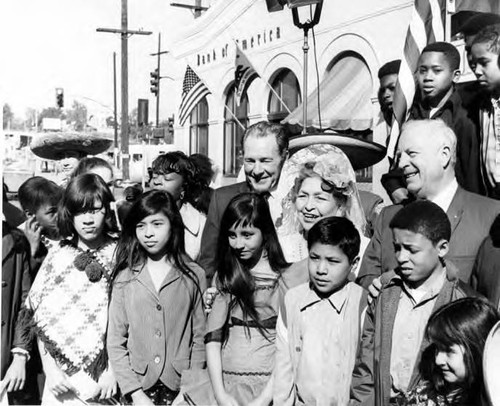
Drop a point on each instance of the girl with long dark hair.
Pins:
(241, 326)
(156, 318)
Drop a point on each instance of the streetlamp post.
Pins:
(309, 23)
(306, 26)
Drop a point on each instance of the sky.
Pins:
(53, 43)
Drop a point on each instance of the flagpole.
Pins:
(277, 95)
(267, 83)
(236, 118)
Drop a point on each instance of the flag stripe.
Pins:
(424, 11)
(193, 90)
(195, 95)
(437, 21)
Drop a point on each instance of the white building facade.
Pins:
(368, 33)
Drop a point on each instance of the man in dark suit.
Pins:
(265, 148)
(427, 154)
(486, 273)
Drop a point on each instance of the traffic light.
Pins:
(60, 97)
(170, 126)
(155, 82)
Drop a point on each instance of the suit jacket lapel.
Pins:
(456, 209)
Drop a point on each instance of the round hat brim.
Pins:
(54, 145)
(361, 153)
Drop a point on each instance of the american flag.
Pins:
(193, 90)
(243, 74)
(426, 27)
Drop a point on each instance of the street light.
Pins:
(310, 20)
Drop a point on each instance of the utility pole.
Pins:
(115, 114)
(124, 33)
(160, 52)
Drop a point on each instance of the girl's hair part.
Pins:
(465, 322)
(246, 209)
(82, 194)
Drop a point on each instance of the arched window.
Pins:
(198, 129)
(234, 118)
(286, 86)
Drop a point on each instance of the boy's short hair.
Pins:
(37, 192)
(389, 68)
(477, 22)
(489, 35)
(449, 51)
(337, 231)
(423, 217)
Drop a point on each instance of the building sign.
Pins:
(256, 40)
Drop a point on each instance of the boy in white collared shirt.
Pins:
(318, 327)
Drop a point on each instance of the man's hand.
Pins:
(15, 377)
(208, 299)
(399, 195)
(374, 290)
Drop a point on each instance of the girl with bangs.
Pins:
(69, 297)
(241, 327)
(156, 316)
(453, 368)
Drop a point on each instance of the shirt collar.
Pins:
(336, 299)
(425, 293)
(445, 196)
(190, 218)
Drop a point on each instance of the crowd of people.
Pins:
(292, 287)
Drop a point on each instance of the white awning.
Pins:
(345, 99)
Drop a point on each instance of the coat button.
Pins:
(158, 333)
(158, 306)
(157, 360)
(4, 284)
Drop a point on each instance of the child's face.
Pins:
(435, 76)
(485, 66)
(46, 217)
(418, 258)
(328, 267)
(246, 242)
(450, 361)
(153, 233)
(89, 224)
